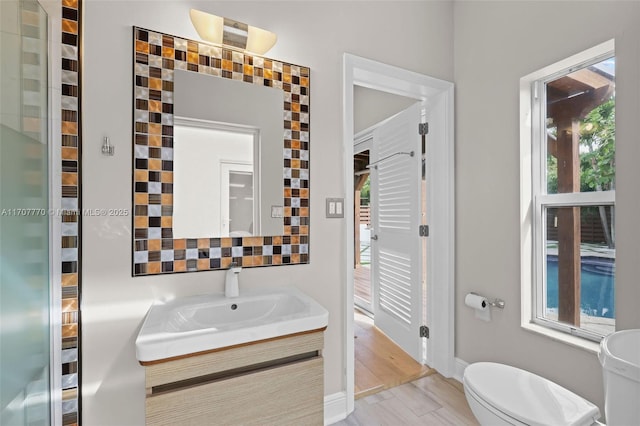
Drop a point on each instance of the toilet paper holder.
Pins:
(495, 303)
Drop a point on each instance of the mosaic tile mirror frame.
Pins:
(155, 251)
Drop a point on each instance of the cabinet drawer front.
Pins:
(228, 359)
(283, 395)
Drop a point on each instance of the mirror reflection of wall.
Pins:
(204, 102)
(207, 159)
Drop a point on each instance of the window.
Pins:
(569, 194)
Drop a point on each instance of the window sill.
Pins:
(578, 342)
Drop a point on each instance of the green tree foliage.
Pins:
(365, 193)
(597, 143)
(597, 151)
(552, 174)
(597, 157)
(597, 161)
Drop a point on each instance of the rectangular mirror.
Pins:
(214, 141)
(220, 158)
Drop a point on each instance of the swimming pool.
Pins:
(597, 278)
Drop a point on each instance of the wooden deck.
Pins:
(362, 282)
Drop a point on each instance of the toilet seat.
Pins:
(499, 418)
(527, 398)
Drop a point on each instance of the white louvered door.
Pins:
(396, 245)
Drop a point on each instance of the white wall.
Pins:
(412, 35)
(259, 107)
(495, 44)
(370, 107)
(199, 157)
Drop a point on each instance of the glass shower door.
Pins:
(24, 217)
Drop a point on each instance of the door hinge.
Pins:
(423, 230)
(424, 331)
(423, 128)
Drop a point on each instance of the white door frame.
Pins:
(438, 96)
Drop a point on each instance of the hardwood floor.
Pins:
(379, 363)
(431, 400)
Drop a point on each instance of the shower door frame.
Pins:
(53, 8)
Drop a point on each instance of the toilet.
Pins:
(620, 359)
(500, 394)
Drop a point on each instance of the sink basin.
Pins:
(203, 323)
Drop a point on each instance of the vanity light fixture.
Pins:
(218, 30)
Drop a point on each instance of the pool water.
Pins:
(597, 278)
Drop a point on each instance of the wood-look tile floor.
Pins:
(431, 400)
(392, 389)
(379, 363)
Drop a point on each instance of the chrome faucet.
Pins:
(231, 288)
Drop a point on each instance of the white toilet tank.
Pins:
(620, 359)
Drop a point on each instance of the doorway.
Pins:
(389, 273)
(437, 95)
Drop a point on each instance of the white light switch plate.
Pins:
(277, 211)
(335, 207)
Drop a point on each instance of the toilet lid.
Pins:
(528, 398)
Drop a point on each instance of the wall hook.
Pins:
(107, 148)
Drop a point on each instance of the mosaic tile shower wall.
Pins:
(71, 222)
(155, 251)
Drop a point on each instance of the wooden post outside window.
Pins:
(568, 156)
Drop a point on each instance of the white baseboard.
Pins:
(460, 365)
(335, 407)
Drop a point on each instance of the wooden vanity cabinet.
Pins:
(274, 381)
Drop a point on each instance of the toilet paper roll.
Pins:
(476, 302)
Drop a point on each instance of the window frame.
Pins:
(534, 198)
